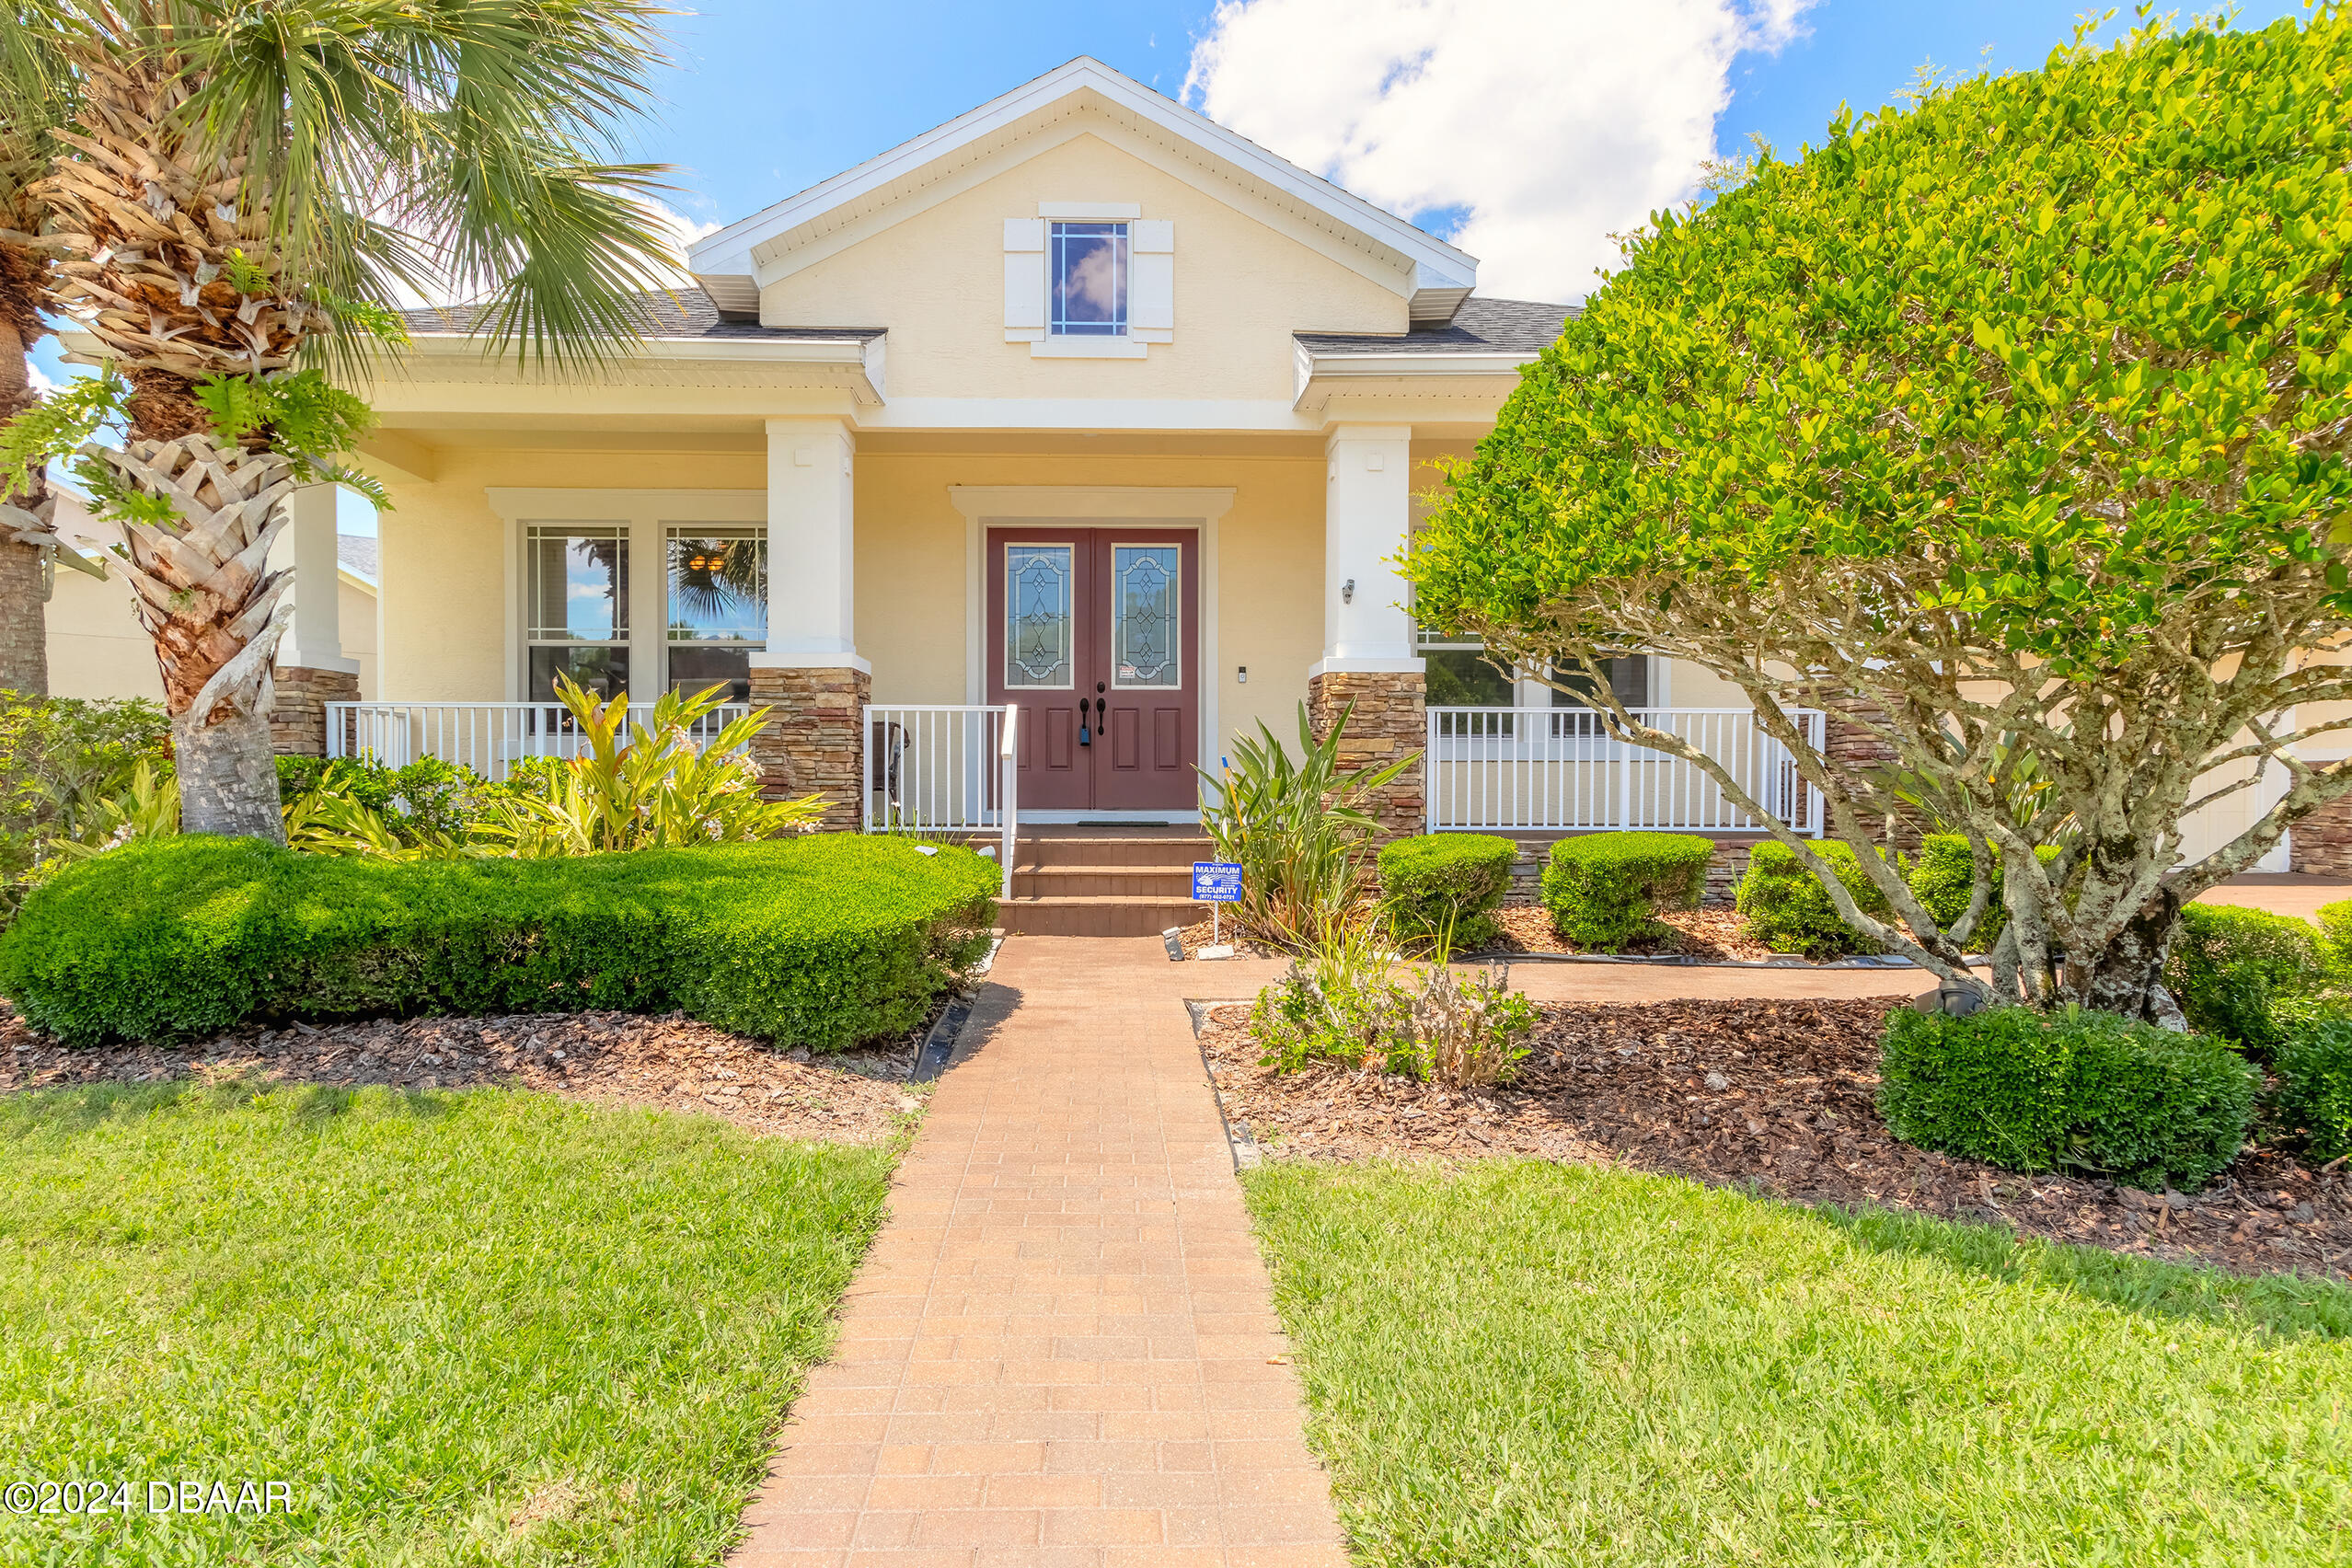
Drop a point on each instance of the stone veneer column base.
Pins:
(810, 744)
(2320, 844)
(1391, 719)
(298, 713)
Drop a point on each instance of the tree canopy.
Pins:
(2014, 417)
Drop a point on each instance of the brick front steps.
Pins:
(1103, 883)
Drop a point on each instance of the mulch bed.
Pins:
(671, 1062)
(1709, 933)
(1780, 1095)
(1714, 934)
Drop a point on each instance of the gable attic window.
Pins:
(1090, 280)
(1088, 265)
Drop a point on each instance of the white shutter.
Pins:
(1024, 279)
(1151, 280)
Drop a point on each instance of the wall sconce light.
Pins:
(1348, 592)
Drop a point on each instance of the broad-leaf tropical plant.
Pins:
(647, 786)
(1297, 827)
(2011, 424)
(246, 189)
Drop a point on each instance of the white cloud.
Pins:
(1550, 124)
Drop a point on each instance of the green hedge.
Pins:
(1942, 876)
(1604, 889)
(1786, 909)
(824, 941)
(2037, 1091)
(2314, 1070)
(1446, 877)
(2231, 968)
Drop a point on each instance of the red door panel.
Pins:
(1095, 632)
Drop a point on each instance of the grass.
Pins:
(486, 1327)
(1525, 1364)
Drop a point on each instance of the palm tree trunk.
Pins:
(206, 593)
(24, 630)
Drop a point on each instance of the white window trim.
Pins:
(646, 514)
(1151, 282)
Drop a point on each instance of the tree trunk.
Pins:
(228, 776)
(2127, 975)
(206, 593)
(24, 629)
(24, 625)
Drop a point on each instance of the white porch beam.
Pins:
(1368, 510)
(812, 546)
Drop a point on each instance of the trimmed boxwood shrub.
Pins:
(823, 941)
(1941, 876)
(1439, 876)
(2315, 1069)
(2231, 968)
(2092, 1090)
(1604, 889)
(1786, 909)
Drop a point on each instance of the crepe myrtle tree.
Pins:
(2013, 423)
(242, 191)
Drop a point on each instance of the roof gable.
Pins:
(732, 263)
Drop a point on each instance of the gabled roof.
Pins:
(730, 262)
(666, 314)
(1479, 326)
(355, 553)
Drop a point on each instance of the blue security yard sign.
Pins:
(1215, 882)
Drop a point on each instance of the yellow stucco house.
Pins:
(1017, 470)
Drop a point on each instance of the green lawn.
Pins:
(471, 1328)
(1525, 1364)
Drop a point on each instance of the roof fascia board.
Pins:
(1435, 263)
(1399, 277)
(860, 359)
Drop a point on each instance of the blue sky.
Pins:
(1527, 130)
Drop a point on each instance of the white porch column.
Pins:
(315, 641)
(1370, 669)
(811, 674)
(1367, 509)
(812, 546)
(311, 671)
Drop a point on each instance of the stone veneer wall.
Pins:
(1389, 719)
(2322, 843)
(810, 744)
(298, 712)
(1724, 872)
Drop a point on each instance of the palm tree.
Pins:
(35, 99)
(247, 189)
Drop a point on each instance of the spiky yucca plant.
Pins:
(247, 187)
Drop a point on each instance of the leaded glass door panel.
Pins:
(1095, 633)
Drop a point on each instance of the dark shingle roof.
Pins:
(1479, 326)
(667, 312)
(356, 552)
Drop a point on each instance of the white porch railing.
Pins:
(489, 737)
(1556, 769)
(943, 768)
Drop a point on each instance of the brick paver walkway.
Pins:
(1061, 1350)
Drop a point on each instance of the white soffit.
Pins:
(733, 263)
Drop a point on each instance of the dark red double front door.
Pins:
(1095, 633)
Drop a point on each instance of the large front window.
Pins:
(717, 588)
(1088, 273)
(579, 617)
(1460, 676)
